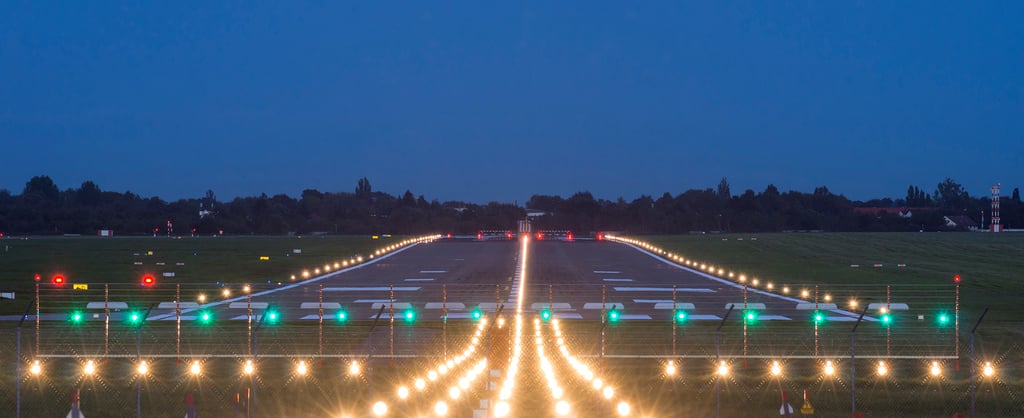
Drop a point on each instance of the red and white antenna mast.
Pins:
(995, 226)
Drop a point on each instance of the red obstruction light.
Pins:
(37, 277)
(956, 278)
(148, 280)
(569, 236)
(540, 236)
(600, 236)
(479, 236)
(508, 235)
(58, 279)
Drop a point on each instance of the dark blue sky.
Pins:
(476, 101)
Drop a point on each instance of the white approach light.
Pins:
(882, 369)
(353, 368)
(670, 368)
(829, 368)
(301, 368)
(936, 370)
(143, 368)
(36, 368)
(403, 392)
(562, 408)
(776, 368)
(249, 367)
(441, 408)
(988, 371)
(90, 368)
(622, 408)
(195, 369)
(380, 408)
(723, 369)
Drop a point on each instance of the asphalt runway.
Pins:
(475, 274)
(572, 279)
(578, 278)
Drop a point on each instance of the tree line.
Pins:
(42, 208)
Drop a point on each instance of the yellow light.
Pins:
(196, 368)
(988, 371)
(622, 408)
(432, 375)
(670, 368)
(882, 369)
(249, 367)
(828, 297)
(598, 384)
(770, 286)
(441, 408)
(245, 288)
(454, 392)
(776, 368)
(501, 409)
(936, 370)
(785, 289)
(562, 408)
(420, 384)
(608, 392)
(301, 368)
(743, 277)
(143, 367)
(883, 309)
(804, 293)
(754, 282)
(403, 392)
(380, 408)
(202, 298)
(90, 368)
(36, 368)
(723, 369)
(226, 292)
(853, 303)
(353, 368)
(830, 369)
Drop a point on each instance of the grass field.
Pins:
(206, 259)
(990, 265)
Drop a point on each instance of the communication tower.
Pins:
(995, 226)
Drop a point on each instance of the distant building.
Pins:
(961, 222)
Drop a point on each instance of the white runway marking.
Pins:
(773, 318)
(568, 316)
(629, 317)
(459, 315)
(663, 289)
(652, 300)
(555, 306)
(371, 289)
(318, 305)
(618, 280)
(598, 305)
(703, 318)
(419, 280)
(372, 300)
(313, 317)
(244, 305)
(606, 272)
(456, 306)
(432, 271)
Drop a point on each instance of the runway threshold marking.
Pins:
(663, 289)
(371, 289)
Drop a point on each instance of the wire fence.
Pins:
(634, 337)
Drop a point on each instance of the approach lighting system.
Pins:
(680, 316)
(58, 279)
(545, 314)
(148, 280)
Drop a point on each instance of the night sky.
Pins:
(476, 101)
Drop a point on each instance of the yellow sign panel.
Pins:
(80, 286)
(264, 258)
(375, 237)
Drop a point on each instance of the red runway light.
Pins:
(58, 280)
(148, 280)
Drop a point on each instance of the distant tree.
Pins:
(89, 194)
(363, 189)
(41, 189)
(408, 199)
(951, 195)
(723, 190)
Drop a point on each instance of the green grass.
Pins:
(990, 264)
(207, 259)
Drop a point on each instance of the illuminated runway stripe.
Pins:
(313, 317)
(318, 305)
(633, 317)
(663, 289)
(387, 305)
(556, 306)
(457, 306)
(618, 280)
(773, 318)
(372, 300)
(652, 300)
(568, 316)
(703, 318)
(419, 280)
(598, 305)
(183, 318)
(459, 315)
(432, 271)
(606, 272)
(371, 289)
(243, 305)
